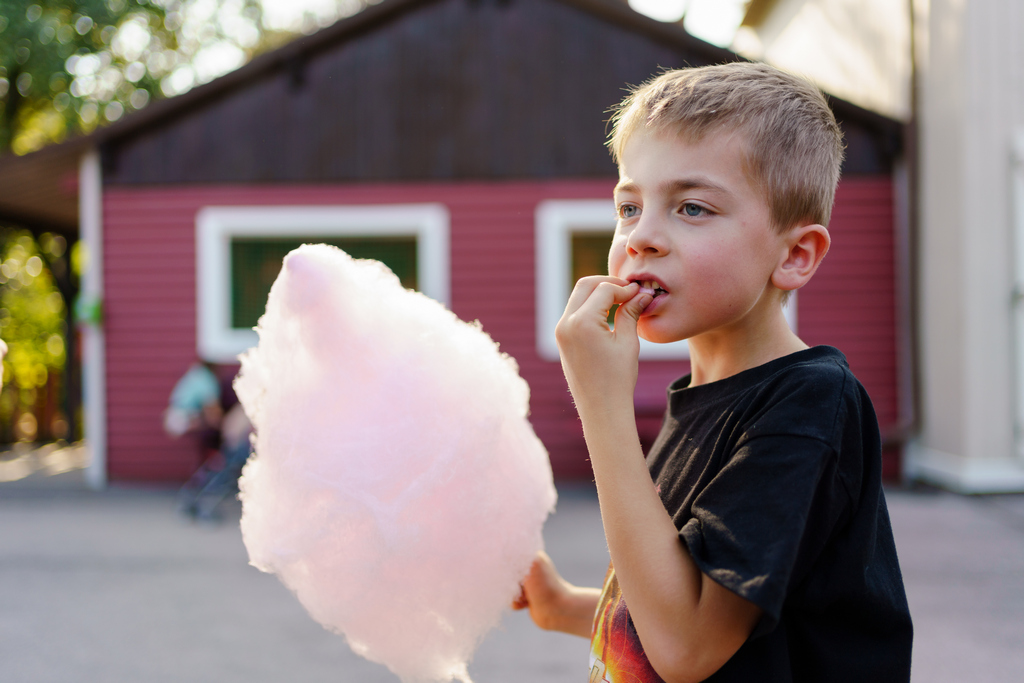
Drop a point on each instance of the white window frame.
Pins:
(556, 221)
(216, 226)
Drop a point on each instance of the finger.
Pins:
(600, 302)
(628, 314)
(586, 286)
(521, 601)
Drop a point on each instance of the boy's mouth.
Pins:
(651, 287)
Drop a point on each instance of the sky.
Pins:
(715, 21)
(306, 15)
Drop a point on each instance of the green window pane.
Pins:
(589, 254)
(256, 261)
(590, 257)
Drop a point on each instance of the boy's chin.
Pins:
(654, 337)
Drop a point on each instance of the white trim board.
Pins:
(1017, 293)
(94, 345)
(555, 223)
(217, 341)
(961, 473)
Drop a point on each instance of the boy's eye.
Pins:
(693, 210)
(629, 211)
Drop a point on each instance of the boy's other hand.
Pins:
(598, 360)
(554, 603)
(542, 592)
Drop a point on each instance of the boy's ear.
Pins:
(806, 246)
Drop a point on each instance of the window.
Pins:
(256, 262)
(572, 240)
(239, 251)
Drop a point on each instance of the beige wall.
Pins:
(858, 50)
(971, 92)
(970, 59)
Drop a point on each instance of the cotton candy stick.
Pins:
(396, 487)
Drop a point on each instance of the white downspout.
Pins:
(89, 311)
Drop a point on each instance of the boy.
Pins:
(762, 551)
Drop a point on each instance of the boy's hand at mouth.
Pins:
(600, 362)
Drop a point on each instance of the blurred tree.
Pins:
(66, 66)
(33, 323)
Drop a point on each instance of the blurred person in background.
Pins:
(206, 406)
(195, 408)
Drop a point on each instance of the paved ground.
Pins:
(116, 587)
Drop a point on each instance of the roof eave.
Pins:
(50, 164)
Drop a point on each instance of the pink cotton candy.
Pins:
(397, 487)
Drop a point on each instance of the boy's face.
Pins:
(691, 225)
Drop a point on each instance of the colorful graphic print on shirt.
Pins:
(616, 655)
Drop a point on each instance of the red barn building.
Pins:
(460, 141)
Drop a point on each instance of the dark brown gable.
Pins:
(437, 90)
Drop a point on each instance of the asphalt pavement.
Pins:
(118, 587)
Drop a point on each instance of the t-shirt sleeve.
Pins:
(760, 523)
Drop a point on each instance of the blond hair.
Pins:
(794, 146)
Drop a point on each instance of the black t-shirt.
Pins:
(773, 478)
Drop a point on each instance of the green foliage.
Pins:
(66, 66)
(32, 319)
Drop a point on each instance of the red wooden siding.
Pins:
(851, 302)
(150, 300)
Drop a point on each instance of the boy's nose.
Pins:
(646, 238)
